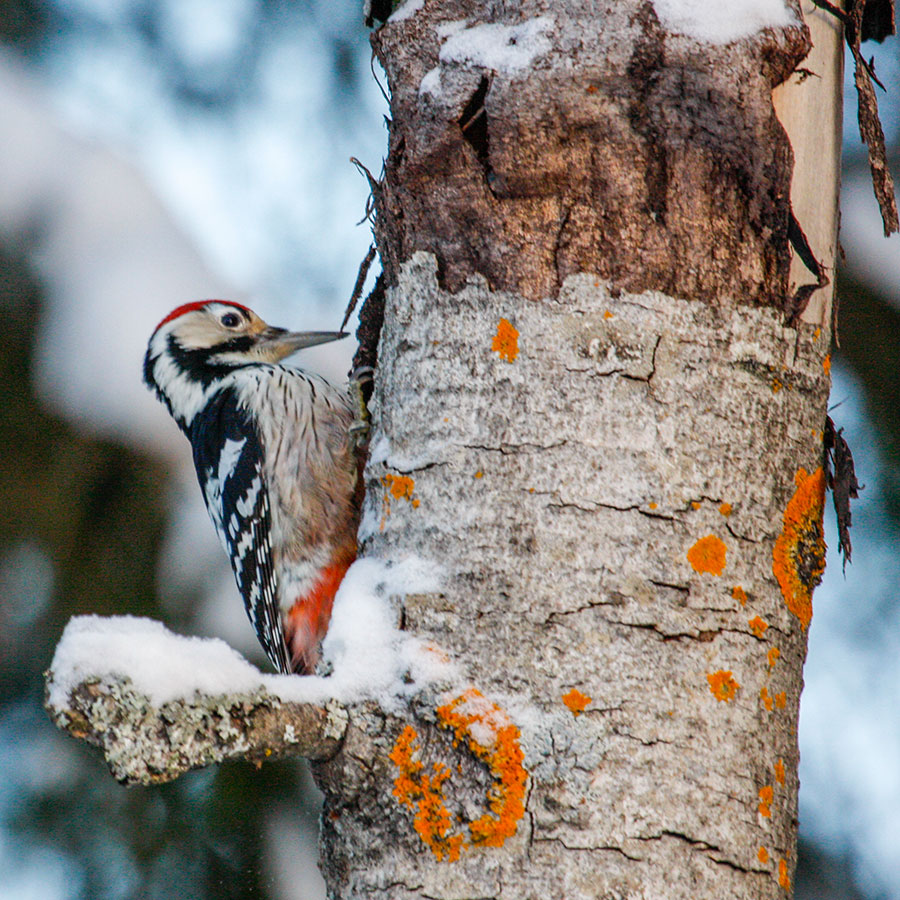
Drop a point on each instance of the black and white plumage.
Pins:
(276, 463)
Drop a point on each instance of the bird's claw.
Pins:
(359, 428)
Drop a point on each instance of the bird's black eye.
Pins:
(230, 320)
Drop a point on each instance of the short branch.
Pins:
(145, 743)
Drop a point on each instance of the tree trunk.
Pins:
(589, 409)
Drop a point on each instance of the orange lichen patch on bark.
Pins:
(723, 685)
(486, 731)
(608, 315)
(739, 594)
(758, 626)
(826, 364)
(707, 555)
(423, 793)
(766, 699)
(781, 700)
(776, 385)
(399, 487)
(725, 509)
(695, 504)
(651, 505)
(479, 474)
(798, 558)
(783, 878)
(576, 701)
(766, 796)
(772, 656)
(506, 341)
(779, 771)
(762, 855)
(494, 739)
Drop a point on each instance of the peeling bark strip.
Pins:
(605, 504)
(872, 20)
(586, 140)
(147, 744)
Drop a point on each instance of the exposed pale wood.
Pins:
(810, 107)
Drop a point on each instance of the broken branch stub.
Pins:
(144, 743)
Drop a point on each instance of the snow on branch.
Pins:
(158, 704)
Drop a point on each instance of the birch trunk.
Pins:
(590, 411)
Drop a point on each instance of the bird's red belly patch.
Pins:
(307, 620)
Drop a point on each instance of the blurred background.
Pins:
(157, 151)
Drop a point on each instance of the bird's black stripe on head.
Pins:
(197, 363)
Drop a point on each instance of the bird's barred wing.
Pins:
(228, 459)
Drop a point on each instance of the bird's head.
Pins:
(199, 343)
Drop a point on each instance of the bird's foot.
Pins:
(359, 428)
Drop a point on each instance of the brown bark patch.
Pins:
(628, 159)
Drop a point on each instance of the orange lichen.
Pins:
(695, 504)
(783, 878)
(651, 505)
(781, 700)
(576, 701)
(766, 699)
(762, 855)
(779, 771)
(776, 385)
(423, 793)
(798, 558)
(723, 685)
(707, 555)
(486, 732)
(399, 487)
(739, 594)
(607, 314)
(479, 474)
(725, 509)
(506, 341)
(494, 739)
(766, 796)
(826, 364)
(772, 656)
(758, 626)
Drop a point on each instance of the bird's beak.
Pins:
(275, 344)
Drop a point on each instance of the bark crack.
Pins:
(706, 848)
(563, 504)
(506, 448)
(611, 848)
(473, 123)
(683, 588)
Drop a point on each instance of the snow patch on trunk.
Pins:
(725, 22)
(505, 48)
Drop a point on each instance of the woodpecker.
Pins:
(278, 464)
